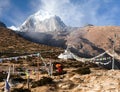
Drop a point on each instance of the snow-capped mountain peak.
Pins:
(42, 15)
(42, 21)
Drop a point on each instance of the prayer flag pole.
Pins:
(113, 61)
(28, 82)
(7, 85)
(27, 75)
(51, 68)
(13, 68)
(38, 66)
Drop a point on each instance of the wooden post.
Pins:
(38, 67)
(27, 75)
(28, 82)
(51, 68)
(13, 69)
(113, 62)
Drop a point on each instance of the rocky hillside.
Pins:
(92, 40)
(88, 41)
(10, 42)
(104, 36)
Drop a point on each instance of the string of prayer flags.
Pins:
(102, 63)
(101, 59)
(17, 57)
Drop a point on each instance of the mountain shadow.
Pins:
(43, 38)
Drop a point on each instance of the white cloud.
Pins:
(72, 12)
(63, 8)
(82, 12)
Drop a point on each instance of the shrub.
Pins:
(20, 90)
(33, 64)
(41, 82)
(20, 69)
(83, 70)
(3, 75)
(42, 71)
(72, 64)
(29, 59)
(76, 64)
(90, 65)
(23, 74)
(19, 79)
(57, 73)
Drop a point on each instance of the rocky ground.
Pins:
(99, 80)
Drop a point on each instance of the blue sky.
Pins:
(72, 12)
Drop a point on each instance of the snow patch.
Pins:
(13, 28)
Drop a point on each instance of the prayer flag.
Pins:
(7, 86)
